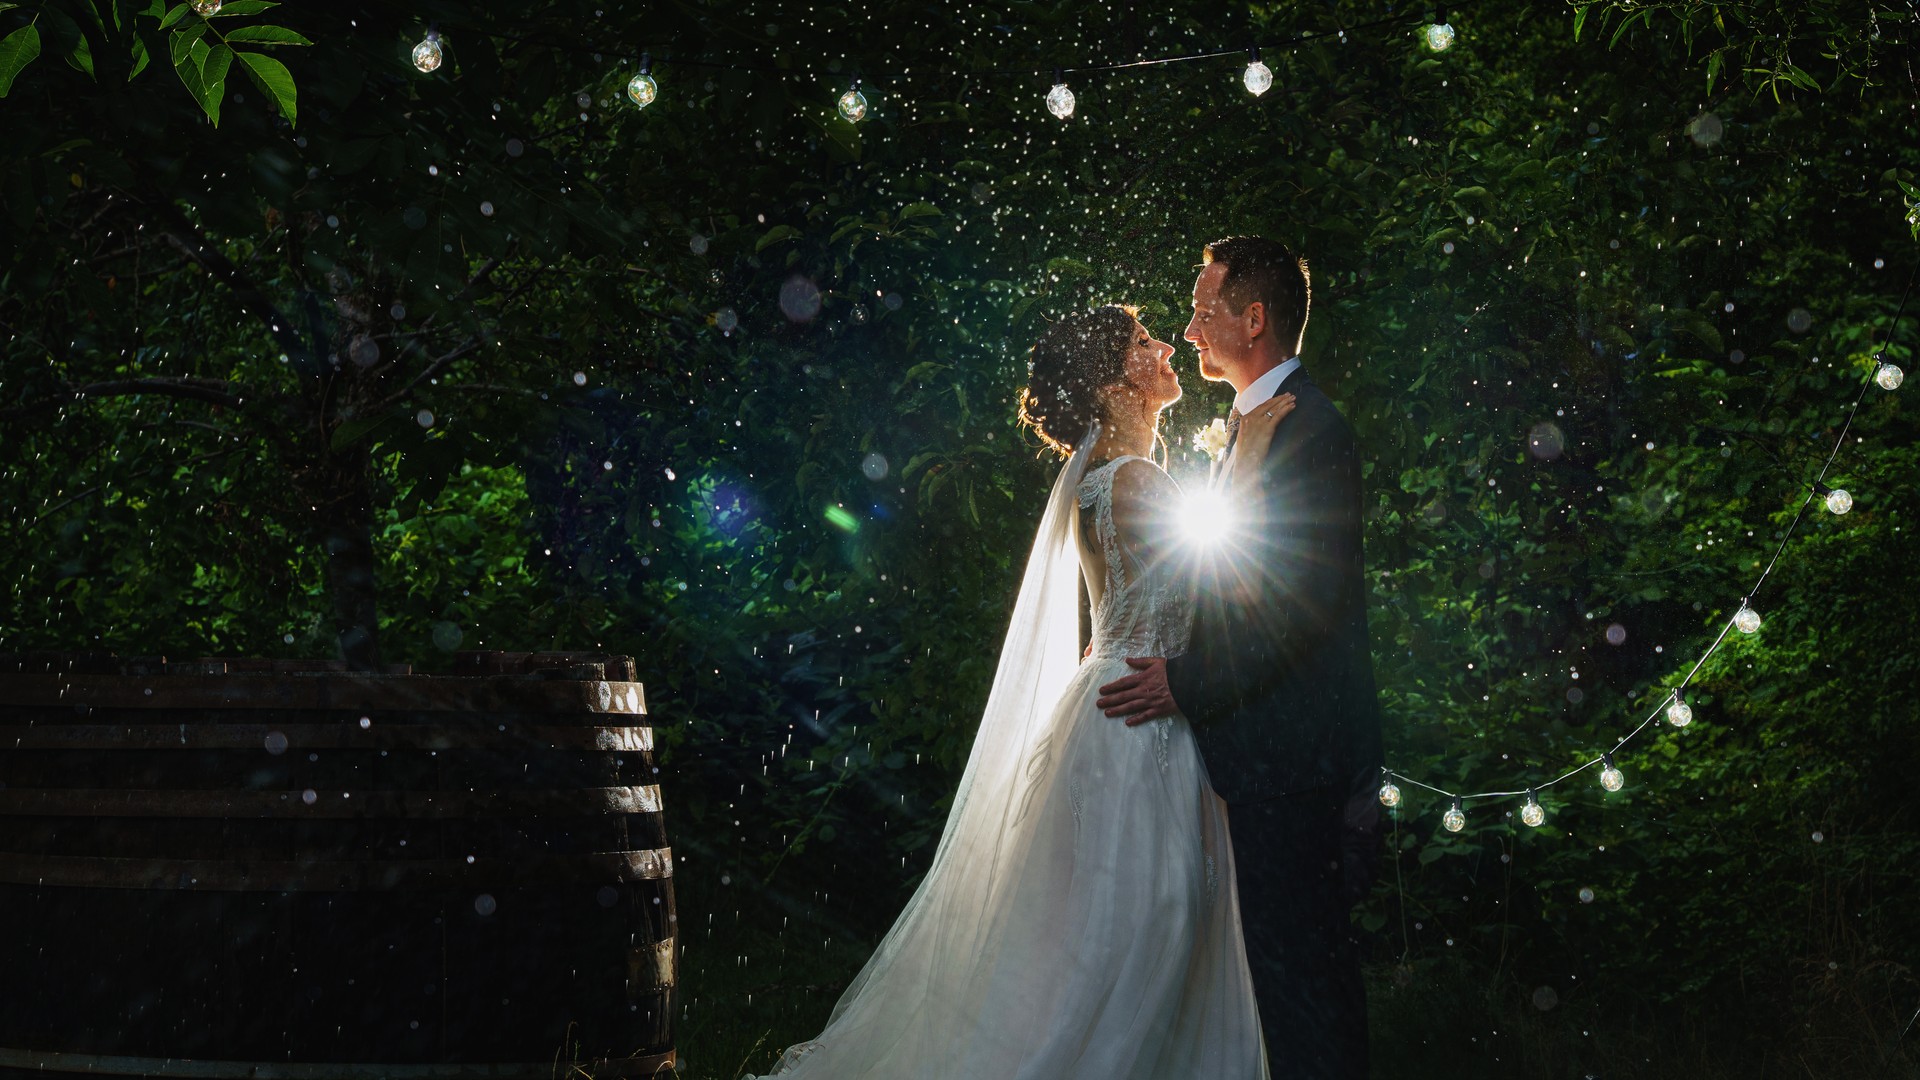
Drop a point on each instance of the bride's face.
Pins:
(1148, 370)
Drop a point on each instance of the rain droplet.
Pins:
(485, 904)
(276, 743)
(424, 417)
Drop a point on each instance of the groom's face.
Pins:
(1220, 335)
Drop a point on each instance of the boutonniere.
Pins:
(1212, 439)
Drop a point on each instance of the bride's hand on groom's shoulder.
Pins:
(1255, 439)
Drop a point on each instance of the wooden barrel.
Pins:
(274, 869)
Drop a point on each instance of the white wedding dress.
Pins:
(1079, 919)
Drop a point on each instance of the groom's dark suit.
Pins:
(1278, 684)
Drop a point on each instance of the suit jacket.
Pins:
(1278, 679)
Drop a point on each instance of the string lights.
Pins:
(1611, 777)
(1674, 705)
(427, 55)
(1258, 77)
(1533, 813)
(1060, 99)
(1679, 713)
(1439, 33)
(641, 89)
(853, 103)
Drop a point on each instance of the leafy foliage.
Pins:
(727, 383)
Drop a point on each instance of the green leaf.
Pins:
(213, 70)
(243, 7)
(191, 69)
(266, 35)
(274, 80)
(775, 235)
(17, 50)
(173, 15)
(1579, 20)
(81, 58)
(141, 57)
(182, 42)
(918, 210)
(353, 431)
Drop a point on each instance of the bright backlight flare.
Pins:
(1205, 517)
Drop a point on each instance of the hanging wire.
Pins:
(663, 57)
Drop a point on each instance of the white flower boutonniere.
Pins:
(1212, 439)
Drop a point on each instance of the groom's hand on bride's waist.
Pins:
(1141, 696)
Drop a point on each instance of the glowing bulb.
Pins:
(641, 89)
(853, 104)
(1746, 620)
(1258, 77)
(1889, 377)
(207, 8)
(1679, 714)
(1455, 818)
(1839, 501)
(1532, 813)
(1060, 101)
(1611, 777)
(1440, 36)
(1389, 794)
(427, 54)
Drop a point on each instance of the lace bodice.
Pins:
(1142, 604)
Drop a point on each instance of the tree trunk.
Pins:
(345, 532)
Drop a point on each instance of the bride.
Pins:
(1079, 918)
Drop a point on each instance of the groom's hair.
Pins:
(1267, 271)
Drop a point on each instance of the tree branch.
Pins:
(187, 240)
(207, 390)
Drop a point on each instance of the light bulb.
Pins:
(641, 89)
(1455, 818)
(1839, 501)
(1060, 101)
(1532, 813)
(1389, 794)
(1889, 377)
(427, 54)
(853, 104)
(1611, 777)
(1439, 36)
(1258, 76)
(207, 8)
(1679, 714)
(1746, 620)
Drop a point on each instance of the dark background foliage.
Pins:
(488, 358)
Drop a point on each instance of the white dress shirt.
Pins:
(1261, 390)
(1258, 392)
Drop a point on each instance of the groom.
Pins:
(1278, 684)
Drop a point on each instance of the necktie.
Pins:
(1233, 429)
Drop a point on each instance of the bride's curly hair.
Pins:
(1074, 358)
